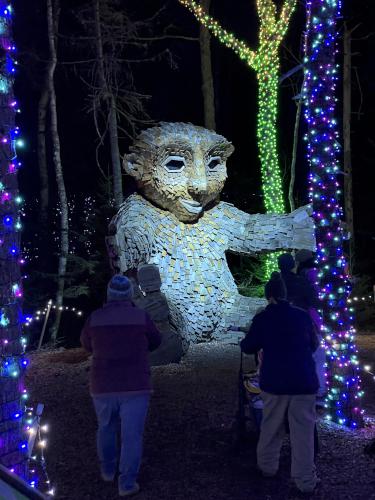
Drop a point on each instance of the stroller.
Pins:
(250, 406)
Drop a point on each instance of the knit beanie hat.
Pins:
(304, 255)
(285, 262)
(119, 288)
(275, 287)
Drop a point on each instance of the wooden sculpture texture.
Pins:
(177, 222)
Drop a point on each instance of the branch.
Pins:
(164, 37)
(359, 112)
(84, 61)
(366, 37)
(284, 19)
(239, 46)
(267, 12)
(290, 72)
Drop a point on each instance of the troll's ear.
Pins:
(228, 149)
(133, 166)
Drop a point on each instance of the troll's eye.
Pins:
(213, 163)
(174, 164)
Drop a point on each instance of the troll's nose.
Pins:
(197, 187)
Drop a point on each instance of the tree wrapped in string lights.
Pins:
(13, 444)
(323, 149)
(265, 61)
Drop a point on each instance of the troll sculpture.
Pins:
(178, 223)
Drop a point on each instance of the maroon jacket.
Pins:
(120, 336)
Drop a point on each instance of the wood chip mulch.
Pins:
(190, 448)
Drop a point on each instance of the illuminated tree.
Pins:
(323, 150)
(265, 61)
(12, 345)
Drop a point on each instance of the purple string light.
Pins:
(323, 149)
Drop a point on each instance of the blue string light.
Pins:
(13, 452)
(343, 401)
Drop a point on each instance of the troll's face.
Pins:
(179, 167)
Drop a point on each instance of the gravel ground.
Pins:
(190, 450)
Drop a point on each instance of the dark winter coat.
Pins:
(120, 336)
(300, 291)
(287, 337)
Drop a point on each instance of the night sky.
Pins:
(175, 95)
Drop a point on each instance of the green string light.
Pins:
(265, 62)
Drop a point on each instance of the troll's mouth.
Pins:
(192, 206)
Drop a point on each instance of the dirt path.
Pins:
(189, 451)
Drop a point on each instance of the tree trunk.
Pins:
(111, 109)
(347, 110)
(268, 152)
(99, 45)
(52, 19)
(294, 155)
(11, 346)
(343, 401)
(267, 140)
(208, 91)
(115, 154)
(42, 163)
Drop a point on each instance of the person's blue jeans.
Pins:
(128, 413)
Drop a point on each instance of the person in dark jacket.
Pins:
(306, 268)
(300, 291)
(120, 336)
(288, 382)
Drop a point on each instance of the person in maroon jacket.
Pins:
(120, 336)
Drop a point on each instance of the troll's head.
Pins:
(179, 167)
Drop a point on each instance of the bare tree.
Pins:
(298, 99)
(53, 13)
(108, 96)
(208, 91)
(42, 156)
(299, 103)
(116, 106)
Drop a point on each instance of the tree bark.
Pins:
(208, 90)
(111, 109)
(347, 110)
(42, 161)
(52, 20)
(115, 153)
(99, 45)
(294, 155)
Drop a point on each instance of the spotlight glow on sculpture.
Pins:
(321, 77)
(265, 62)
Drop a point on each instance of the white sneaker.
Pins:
(108, 478)
(130, 492)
